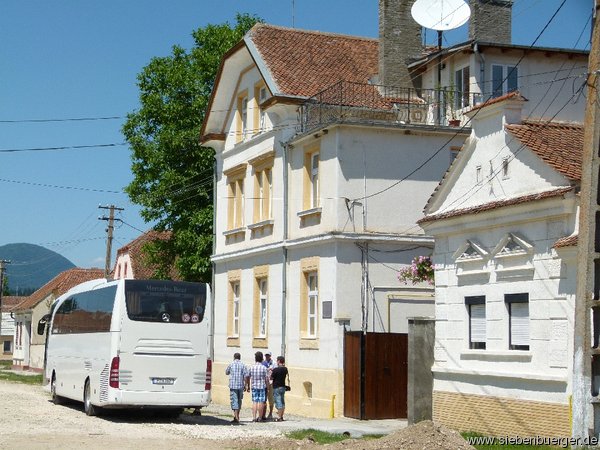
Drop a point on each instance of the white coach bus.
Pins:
(129, 344)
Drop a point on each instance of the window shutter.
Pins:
(477, 323)
(519, 323)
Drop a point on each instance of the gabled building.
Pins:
(28, 353)
(326, 148)
(133, 261)
(505, 224)
(7, 326)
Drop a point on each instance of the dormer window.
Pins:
(512, 244)
(470, 251)
(242, 117)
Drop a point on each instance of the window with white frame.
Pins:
(262, 96)
(504, 79)
(235, 325)
(242, 117)
(477, 321)
(518, 314)
(462, 87)
(314, 179)
(263, 194)
(262, 305)
(235, 217)
(312, 280)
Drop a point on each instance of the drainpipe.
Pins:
(284, 250)
(211, 331)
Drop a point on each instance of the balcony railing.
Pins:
(347, 102)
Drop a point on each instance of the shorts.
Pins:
(235, 397)
(259, 395)
(279, 397)
(270, 394)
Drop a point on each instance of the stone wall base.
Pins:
(495, 416)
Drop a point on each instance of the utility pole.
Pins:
(109, 230)
(586, 360)
(3, 262)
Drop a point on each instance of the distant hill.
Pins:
(31, 266)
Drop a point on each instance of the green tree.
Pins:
(173, 173)
(5, 290)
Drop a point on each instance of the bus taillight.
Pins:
(113, 379)
(208, 375)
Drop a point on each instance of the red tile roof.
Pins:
(558, 144)
(59, 285)
(497, 204)
(142, 268)
(492, 101)
(567, 241)
(10, 301)
(303, 63)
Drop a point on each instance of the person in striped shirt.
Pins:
(258, 379)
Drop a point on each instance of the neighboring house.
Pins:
(326, 147)
(7, 328)
(28, 352)
(504, 220)
(133, 262)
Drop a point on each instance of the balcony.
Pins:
(348, 102)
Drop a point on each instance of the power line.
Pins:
(106, 191)
(71, 119)
(70, 147)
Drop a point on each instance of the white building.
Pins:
(504, 220)
(327, 146)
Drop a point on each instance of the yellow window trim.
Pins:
(236, 171)
(309, 151)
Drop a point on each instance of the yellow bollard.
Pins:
(332, 408)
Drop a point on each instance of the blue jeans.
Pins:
(235, 397)
(279, 397)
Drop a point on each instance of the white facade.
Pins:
(508, 360)
(342, 221)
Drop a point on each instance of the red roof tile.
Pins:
(303, 63)
(10, 301)
(497, 204)
(59, 285)
(492, 101)
(567, 241)
(558, 144)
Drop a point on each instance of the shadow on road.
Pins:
(150, 415)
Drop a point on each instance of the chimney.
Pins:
(491, 21)
(399, 41)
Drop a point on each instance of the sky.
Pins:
(78, 59)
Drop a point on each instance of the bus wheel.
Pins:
(56, 399)
(89, 409)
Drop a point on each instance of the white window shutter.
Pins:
(519, 323)
(478, 323)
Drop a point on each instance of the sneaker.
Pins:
(270, 417)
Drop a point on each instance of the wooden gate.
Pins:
(375, 375)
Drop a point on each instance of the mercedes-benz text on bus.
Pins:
(128, 344)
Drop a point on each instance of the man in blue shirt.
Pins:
(237, 376)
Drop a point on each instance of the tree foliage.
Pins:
(173, 173)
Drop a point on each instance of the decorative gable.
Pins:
(470, 251)
(512, 245)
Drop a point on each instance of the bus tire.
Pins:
(56, 399)
(88, 408)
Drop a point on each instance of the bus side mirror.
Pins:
(42, 324)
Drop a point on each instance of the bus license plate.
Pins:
(163, 381)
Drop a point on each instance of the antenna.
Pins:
(440, 15)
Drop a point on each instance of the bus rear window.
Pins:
(165, 301)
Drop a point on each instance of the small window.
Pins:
(313, 301)
(477, 321)
(235, 326)
(505, 172)
(478, 178)
(518, 313)
(462, 80)
(262, 326)
(314, 179)
(7, 346)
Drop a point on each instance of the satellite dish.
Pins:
(440, 15)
